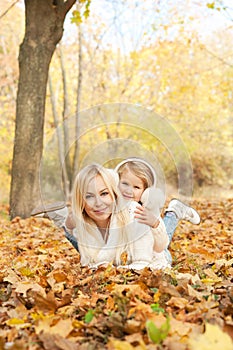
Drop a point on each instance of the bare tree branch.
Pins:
(9, 8)
(68, 4)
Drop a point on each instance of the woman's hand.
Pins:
(70, 223)
(146, 216)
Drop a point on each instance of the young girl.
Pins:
(105, 227)
(137, 182)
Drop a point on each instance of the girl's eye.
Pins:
(137, 187)
(124, 183)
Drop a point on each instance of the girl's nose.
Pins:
(129, 190)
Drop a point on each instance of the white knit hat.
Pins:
(136, 159)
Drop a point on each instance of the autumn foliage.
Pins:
(48, 301)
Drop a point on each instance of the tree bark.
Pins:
(43, 30)
(77, 117)
(65, 115)
(60, 142)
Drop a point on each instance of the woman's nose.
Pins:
(98, 201)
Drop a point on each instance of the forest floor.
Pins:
(48, 301)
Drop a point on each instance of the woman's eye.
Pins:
(104, 193)
(137, 187)
(124, 183)
(88, 196)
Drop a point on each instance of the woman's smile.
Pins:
(98, 202)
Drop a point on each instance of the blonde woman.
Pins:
(104, 225)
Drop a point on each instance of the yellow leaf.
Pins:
(213, 339)
(26, 271)
(17, 323)
(78, 324)
(119, 345)
(157, 296)
(63, 327)
(14, 321)
(210, 280)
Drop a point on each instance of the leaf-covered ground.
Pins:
(48, 301)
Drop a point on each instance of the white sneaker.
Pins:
(43, 209)
(57, 212)
(183, 211)
(58, 216)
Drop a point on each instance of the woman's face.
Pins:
(98, 202)
(131, 186)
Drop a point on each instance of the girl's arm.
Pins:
(146, 216)
(140, 245)
(161, 240)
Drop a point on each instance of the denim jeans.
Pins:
(170, 221)
(71, 238)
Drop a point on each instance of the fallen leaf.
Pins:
(23, 287)
(179, 303)
(62, 327)
(57, 342)
(212, 339)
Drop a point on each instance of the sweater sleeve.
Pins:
(140, 245)
(160, 235)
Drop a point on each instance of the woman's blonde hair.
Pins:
(85, 226)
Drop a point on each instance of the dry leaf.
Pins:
(213, 339)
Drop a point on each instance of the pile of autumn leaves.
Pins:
(48, 301)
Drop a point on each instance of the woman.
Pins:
(105, 225)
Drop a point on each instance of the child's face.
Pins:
(98, 202)
(131, 186)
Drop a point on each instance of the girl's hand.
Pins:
(146, 216)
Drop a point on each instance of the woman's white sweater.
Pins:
(142, 245)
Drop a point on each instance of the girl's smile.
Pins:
(131, 186)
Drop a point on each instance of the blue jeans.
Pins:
(170, 221)
(71, 238)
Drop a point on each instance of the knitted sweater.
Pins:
(139, 246)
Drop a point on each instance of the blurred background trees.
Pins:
(175, 59)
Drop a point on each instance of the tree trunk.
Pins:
(60, 142)
(65, 115)
(77, 120)
(43, 30)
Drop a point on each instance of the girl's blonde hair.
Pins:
(85, 226)
(139, 169)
